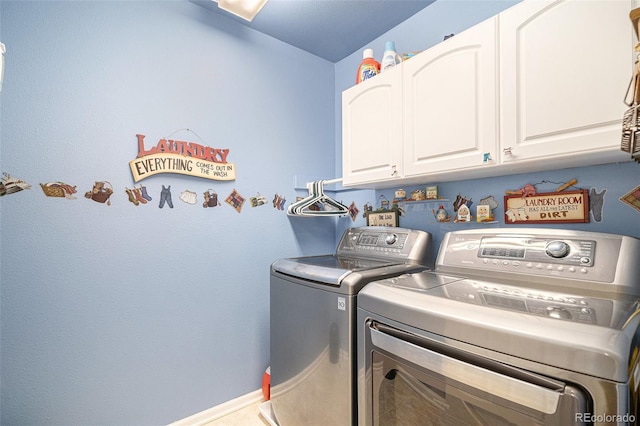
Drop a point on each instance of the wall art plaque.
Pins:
(550, 207)
(182, 157)
(383, 218)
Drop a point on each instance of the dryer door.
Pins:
(415, 380)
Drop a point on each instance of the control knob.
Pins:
(557, 249)
(391, 239)
(558, 313)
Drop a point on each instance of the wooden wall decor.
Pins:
(549, 207)
(187, 158)
(383, 218)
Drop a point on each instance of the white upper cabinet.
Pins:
(564, 69)
(372, 129)
(538, 87)
(449, 98)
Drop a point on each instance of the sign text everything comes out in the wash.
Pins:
(187, 158)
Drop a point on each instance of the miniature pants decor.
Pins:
(165, 196)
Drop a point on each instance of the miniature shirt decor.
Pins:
(187, 158)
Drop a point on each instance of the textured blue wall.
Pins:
(140, 315)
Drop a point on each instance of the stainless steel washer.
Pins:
(515, 326)
(313, 311)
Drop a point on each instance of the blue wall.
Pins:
(140, 315)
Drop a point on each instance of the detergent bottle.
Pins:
(390, 58)
(368, 68)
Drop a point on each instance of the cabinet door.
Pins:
(372, 129)
(564, 69)
(450, 103)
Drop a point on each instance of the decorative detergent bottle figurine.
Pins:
(368, 68)
(390, 57)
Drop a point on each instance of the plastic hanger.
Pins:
(314, 196)
(317, 196)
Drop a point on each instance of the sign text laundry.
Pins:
(187, 158)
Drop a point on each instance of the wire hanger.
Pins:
(326, 206)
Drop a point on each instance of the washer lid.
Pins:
(328, 269)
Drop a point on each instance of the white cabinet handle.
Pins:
(508, 151)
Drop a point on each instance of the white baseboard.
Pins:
(221, 410)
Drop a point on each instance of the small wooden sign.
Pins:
(549, 207)
(383, 218)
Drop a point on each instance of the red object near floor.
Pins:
(266, 384)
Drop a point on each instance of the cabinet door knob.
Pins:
(394, 172)
(507, 151)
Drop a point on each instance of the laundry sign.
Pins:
(550, 207)
(186, 158)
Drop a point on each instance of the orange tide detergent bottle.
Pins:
(368, 68)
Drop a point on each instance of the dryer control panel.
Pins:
(552, 255)
(524, 249)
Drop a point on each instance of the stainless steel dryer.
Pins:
(514, 326)
(313, 311)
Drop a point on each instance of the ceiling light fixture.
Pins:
(246, 9)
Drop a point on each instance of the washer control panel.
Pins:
(377, 239)
(386, 242)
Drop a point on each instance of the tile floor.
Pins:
(248, 416)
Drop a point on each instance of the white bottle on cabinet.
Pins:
(390, 57)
